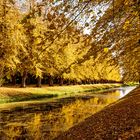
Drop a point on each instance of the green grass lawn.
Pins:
(16, 94)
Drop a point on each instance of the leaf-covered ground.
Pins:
(119, 121)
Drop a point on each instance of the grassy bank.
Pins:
(15, 94)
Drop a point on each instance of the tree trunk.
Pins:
(23, 82)
(50, 81)
(61, 81)
(74, 82)
(38, 81)
(14, 80)
(68, 82)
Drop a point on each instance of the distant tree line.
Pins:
(16, 80)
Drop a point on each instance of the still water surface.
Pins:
(46, 121)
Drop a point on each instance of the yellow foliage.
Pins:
(106, 50)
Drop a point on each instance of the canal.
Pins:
(45, 121)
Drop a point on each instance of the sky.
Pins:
(98, 12)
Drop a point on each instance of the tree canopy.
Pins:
(77, 40)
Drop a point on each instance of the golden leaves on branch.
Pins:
(126, 25)
(33, 32)
(106, 50)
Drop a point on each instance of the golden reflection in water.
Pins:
(48, 125)
(35, 126)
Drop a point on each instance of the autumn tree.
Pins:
(8, 35)
(49, 39)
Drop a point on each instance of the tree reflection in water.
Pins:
(47, 125)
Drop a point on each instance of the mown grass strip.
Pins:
(8, 95)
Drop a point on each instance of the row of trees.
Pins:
(45, 39)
